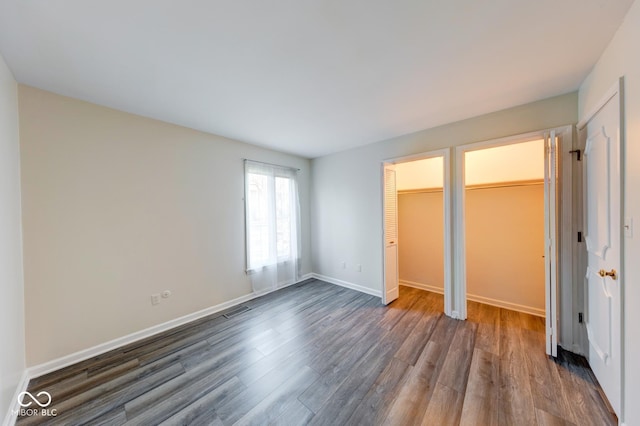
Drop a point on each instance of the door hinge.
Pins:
(579, 236)
(580, 318)
(576, 151)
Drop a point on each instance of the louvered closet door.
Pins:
(390, 292)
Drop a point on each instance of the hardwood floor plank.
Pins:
(548, 419)
(532, 322)
(200, 412)
(65, 390)
(316, 341)
(319, 354)
(349, 355)
(95, 404)
(583, 394)
(413, 398)
(481, 400)
(115, 417)
(546, 386)
(488, 319)
(515, 389)
(346, 398)
(295, 415)
(455, 370)
(375, 405)
(419, 335)
(280, 400)
(171, 397)
(67, 373)
(445, 407)
(69, 408)
(236, 407)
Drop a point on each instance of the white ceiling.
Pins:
(302, 76)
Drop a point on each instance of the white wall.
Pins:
(346, 187)
(621, 59)
(117, 207)
(12, 351)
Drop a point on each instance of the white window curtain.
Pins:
(272, 217)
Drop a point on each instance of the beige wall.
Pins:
(621, 58)
(12, 343)
(117, 207)
(507, 163)
(505, 245)
(421, 239)
(419, 174)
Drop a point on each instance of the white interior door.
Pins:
(603, 238)
(391, 278)
(551, 242)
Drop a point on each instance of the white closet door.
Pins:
(391, 273)
(551, 242)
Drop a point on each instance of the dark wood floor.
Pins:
(319, 354)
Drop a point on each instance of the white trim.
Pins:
(506, 305)
(613, 90)
(460, 246)
(480, 299)
(421, 286)
(65, 361)
(346, 284)
(449, 285)
(11, 418)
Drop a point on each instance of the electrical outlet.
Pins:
(166, 294)
(359, 268)
(343, 264)
(155, 299)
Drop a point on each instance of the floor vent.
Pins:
(236, 311)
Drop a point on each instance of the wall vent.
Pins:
(236, 311)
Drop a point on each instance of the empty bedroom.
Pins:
(233, 213)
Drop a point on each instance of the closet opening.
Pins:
(420, 190)
(508, 219)
(505, 227)
(417, 234)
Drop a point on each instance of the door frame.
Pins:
(616, 89)
(447, 223)
(564, 210)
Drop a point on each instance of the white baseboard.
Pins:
(422, 286)
(480, 299)
(506, 305)
(65, 361)
(12, 414)
(347, 284)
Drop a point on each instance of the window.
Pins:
(271, 203)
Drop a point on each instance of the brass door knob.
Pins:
(612, 273)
